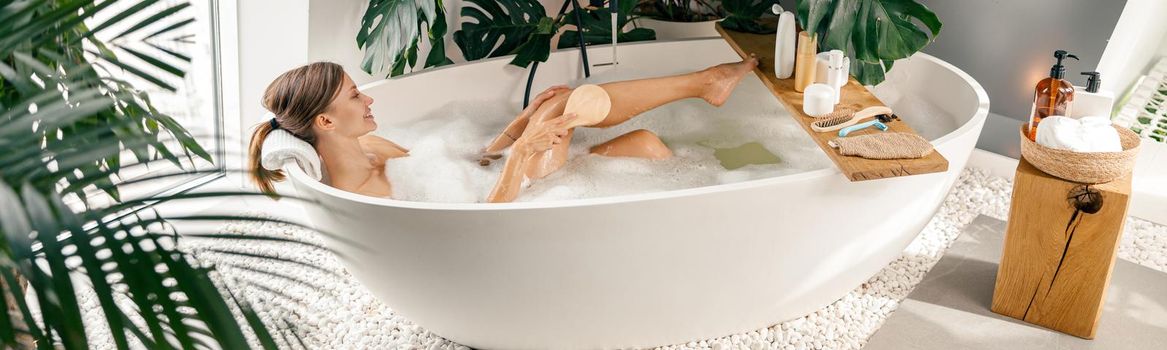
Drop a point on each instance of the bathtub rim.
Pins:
(296, 174)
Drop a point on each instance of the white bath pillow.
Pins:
(281, 147)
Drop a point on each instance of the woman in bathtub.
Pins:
(321, 105)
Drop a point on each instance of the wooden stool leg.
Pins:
(1059, 250)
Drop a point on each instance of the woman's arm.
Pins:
(541, 137)
(511, 178)
(516, 127)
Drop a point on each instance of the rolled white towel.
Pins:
(281, 147)
(1088, 134)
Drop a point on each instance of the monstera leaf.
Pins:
(742, 15)
(390, 32)
(522, 26)
(598, 27)
(874, 33)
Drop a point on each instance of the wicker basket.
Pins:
(1088, 168)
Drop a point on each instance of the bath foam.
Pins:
(444, 149)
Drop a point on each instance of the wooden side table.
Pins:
(1060, 246)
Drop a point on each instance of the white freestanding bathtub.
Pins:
(636, 270)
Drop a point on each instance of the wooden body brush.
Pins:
(590, 103)
(838, 122)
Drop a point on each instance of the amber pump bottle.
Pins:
(1052, 96)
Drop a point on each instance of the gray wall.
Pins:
(1008, 47)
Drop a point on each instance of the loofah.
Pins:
(891, 145)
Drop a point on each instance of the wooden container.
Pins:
(1091, 168)
(1059, 250)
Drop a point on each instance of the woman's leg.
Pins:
(508, 135)
(543, 164)
(638, 143)
(516, 127)
(713, 84)
(630, 98)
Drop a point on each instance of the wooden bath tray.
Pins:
(855, 168)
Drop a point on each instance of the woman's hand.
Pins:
(542, 135)
(540, 98)
(544, 96)
(517, 127)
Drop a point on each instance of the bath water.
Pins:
(444, 151)
(756, 136)
(746, 154)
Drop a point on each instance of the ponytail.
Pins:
(296, 98)
(260, 175)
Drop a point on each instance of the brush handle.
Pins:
(847, 130)
(855, 118)
(872, 111)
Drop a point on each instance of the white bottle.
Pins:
(785, 40)
(1089, 101)
(822, 65)
(823, 69)
(832, 69)
(836, 72)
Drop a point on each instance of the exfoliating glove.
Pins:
(886, 145)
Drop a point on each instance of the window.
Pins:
(196, 102)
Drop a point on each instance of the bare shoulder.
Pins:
(382, 148)
(371, 183)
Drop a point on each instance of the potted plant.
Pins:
(392, 29)
(872, 33)
(680, 19)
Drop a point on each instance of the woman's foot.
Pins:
(723, 78)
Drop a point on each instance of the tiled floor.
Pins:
(949, 309)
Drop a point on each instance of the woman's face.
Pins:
(349, 113)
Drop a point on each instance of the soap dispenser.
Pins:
(1089, 101)
(1052, 95)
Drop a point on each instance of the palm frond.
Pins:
(66, 120)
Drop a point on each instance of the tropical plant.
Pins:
(743, 15)
(391, 30)
(64, 123)
(682, 10)
(597, 25)
(522, 28)
(873, 33)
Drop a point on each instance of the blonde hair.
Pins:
(296, 98)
